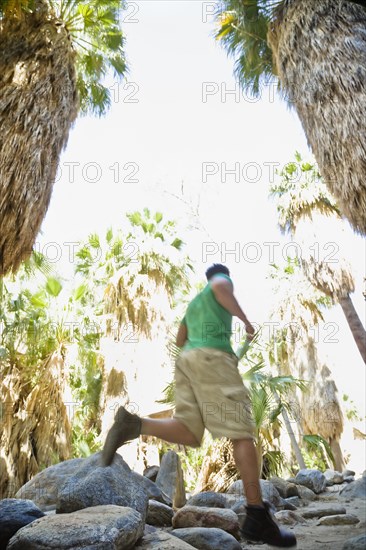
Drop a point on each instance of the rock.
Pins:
(343, 519)
(239, 507)
(356, 543)
(285, 488)
(306, 495)
(269, 492)
(114, 526)
(312, 479)
(336, 488)
(294, 501)
(356, 489)
(159, 514)
(232, 499)
(153, 491)
(15, 514)
(206, 538)
(321, 512)
(95, 485)
(288, 517)
(199, 516)
(151, 472)
(333, 477)
(162, 541)
(289, 505)
(348, 479)
(236, 488)
(148, 529)
(209, 499)
(170, 479)
(348, 473)
(44, 487)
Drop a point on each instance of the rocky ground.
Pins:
(78, 505)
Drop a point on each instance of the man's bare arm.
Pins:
(223, 291)
(182, 336)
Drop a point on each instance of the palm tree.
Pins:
(316, 51)
(304, 209)
(299, 307)
(133, 286)
(35, 429)
(54, 55)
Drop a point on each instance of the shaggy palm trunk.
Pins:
(339, 463)
(38, 104)
(320, 407)
(336, 281)
(35, 430)
(354, 322)
(319, 52)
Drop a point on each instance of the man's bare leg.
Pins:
(169, 429)
(246, 460)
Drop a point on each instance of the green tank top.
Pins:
(208, 323)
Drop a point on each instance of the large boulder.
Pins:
(209, 499)
(206, 538)
(43, 488)
(97, 528)
(312, 479)
(159, 514)
(355, 489)
(199, 516)
(94, 485)
(170, 479)
(15, 514)
(162, 541)
(153, 491)
(333, 477)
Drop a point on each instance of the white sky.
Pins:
(167, 136)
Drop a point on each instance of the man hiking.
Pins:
(209, 393)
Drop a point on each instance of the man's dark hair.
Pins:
(216, 268)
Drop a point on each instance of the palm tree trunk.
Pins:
(294, 443)
(339, 463)
(354, 322)
(319, 51)
(38, 105)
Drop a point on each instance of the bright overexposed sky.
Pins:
(179, 122)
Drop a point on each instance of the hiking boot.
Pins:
(126, 426)
(260, 526)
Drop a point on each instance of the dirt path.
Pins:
(310, 536)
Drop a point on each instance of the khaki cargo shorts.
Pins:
(210, 394)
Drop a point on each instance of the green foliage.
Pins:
(192, 460)
(95, 34)
(243, 28)
(299, 192)
(317, 451)
(296, 301)
(351, 411)
(30, 332)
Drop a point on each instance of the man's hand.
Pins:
(250, 331)
(182, 336)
